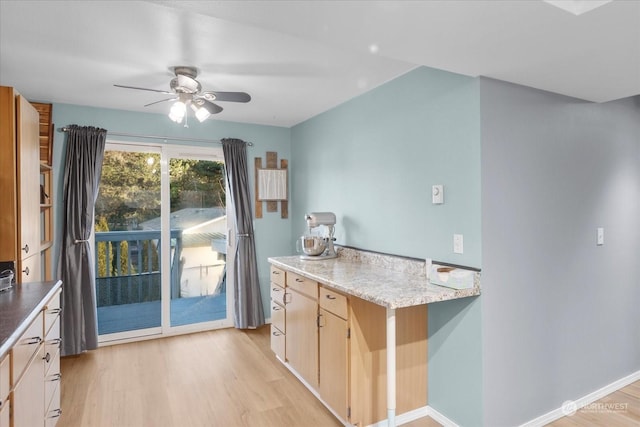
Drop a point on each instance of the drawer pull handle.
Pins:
(26, 270)
(275, 289)
(26, 250)
(56, 377)
(275, 308)
(284, 298)
(56, 414)
(275, 272)
(331, 297)
(34, 340)
(299, 280)
(55, 311)
(57, 341)
(277, 334)
(47, 358)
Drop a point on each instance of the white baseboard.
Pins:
(405, 418)
(583, 401)
(437, 416)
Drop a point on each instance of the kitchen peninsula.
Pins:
(354, 331)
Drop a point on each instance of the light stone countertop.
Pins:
(389, 281)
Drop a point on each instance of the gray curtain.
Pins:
(248, 311)
(83, 165)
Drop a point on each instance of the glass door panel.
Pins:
(127, 243)
(198, 250)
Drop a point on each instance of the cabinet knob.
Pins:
(47, 358)
(26, 249)
(26, 270)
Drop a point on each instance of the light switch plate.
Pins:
(458, 244)
(600, 236)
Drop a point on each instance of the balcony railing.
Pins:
(127, 266)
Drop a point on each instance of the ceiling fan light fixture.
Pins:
(178, 111)
(202, 114)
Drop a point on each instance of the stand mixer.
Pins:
(317, 248)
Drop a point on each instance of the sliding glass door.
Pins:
(198, 223)
(161, 246)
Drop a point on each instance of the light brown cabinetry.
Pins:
(334, 351)
(278, 313)
(46, 188)
(5, 386)
(302, 328)
(337, 344)
(20, 182)
(27, 373)
(35, 370)
(52, 374)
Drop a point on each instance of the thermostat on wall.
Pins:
(437, 194)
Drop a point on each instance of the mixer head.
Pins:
(314, 219)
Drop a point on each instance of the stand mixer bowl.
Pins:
(312, 245)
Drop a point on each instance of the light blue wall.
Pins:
(273, 234)
(560, 315)
(372, 161)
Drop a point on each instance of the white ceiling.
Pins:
(298, 59)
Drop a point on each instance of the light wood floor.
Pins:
(221, 378)
(618, 409)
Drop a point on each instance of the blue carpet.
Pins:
(184, 311)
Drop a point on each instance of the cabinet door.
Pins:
(333, 362)
(30, 269)
(4, 415)
(28, 396)
(302, 336)
(28, 149)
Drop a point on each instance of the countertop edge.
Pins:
(13, 338)
(448, 295)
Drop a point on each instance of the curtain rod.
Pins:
(133, 135)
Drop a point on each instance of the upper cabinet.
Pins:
(22, 223)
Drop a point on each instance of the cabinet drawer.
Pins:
(52, 348)
(278, 342)
(333, 302)
(278, 276)
(277, 294)
(303, 285)
(51, 382)
(52, 312)
(277, 316)
(25, 347)
(5, 386)
(54, 411)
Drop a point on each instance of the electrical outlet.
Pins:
(458, 244)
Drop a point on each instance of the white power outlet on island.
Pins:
(458, 244)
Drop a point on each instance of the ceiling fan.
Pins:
(187, 91)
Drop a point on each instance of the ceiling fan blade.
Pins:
(211, 107)
(162, 100)
(226, 96)
(142, 88)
